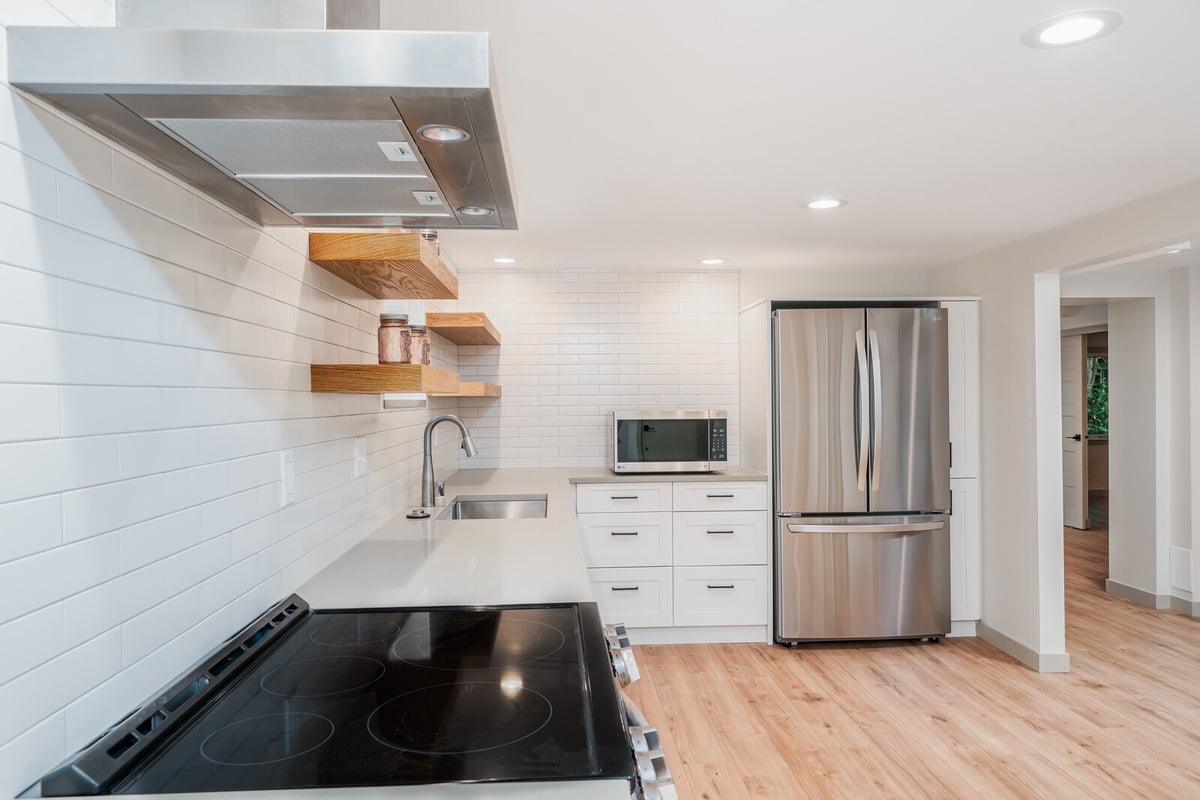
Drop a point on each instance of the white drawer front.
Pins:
(626, 540)
(592, 498)
(639, 596)
(731, 496)
(720, 595)
(721, 537)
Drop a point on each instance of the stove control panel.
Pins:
(625, 666)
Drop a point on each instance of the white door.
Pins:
(1074, 428)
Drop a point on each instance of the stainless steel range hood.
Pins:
(287, 124)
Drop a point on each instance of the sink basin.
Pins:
(496, 506)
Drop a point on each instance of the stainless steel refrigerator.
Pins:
(862, 473)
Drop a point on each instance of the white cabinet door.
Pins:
(720, 595)
(963, 344)
(640, 597)
(592, 498)
(626, 540)
(966, 569)
(721, 537)
(720, 496)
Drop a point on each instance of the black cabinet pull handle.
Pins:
(624, 533)
(720, 585)
(624, 588)
(718, 531)
(720, 495)
(624, 497)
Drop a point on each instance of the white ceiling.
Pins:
(651, 134)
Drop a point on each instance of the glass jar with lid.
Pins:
(419, 347)
(395, 339)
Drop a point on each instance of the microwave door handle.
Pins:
(876, 411)
(862, 444)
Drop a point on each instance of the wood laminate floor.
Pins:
(957, 719)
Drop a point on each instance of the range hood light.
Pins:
(474, 211)
(443, 134)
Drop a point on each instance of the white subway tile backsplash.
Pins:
(28, 469)
(30, 526)
(36, 581)
(31, 640)
(28, 412)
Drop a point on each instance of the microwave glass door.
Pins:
(654, 440)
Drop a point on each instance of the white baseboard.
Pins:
(1182, 605)
(714, 634)
(1136, 595)
(1041, 662)
(963, 627)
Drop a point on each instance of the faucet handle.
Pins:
(439, 488)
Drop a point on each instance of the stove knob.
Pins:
(616, 636)
(645, 739)
(653, 776)
(625, 666)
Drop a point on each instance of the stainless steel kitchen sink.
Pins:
(496, 506)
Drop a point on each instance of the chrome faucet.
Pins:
(468, 445)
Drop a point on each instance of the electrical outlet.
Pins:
(287, 477)
(360, 457)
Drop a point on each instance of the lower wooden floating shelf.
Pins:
(396, 378)
(472, 389)
(382, 378)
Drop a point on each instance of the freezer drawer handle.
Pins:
(719, 495)
(720, 585)
(624, 533)
(625, 588)
(715, 532)
(624, 497)
(909, 527)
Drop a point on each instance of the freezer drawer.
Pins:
(862, 578)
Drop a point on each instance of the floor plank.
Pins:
(957, 719)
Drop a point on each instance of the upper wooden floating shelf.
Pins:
(393, 265)
(376, 378)
(463, 327)
(472, 389)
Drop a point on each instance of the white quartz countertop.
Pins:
(465, 562)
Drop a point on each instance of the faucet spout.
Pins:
(468, 445)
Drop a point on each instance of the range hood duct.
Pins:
(292, 112)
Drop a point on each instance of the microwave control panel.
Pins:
(717, 434)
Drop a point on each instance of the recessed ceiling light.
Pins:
(504, 260)
(825, 203)
(712, 262)
(1074, 27)
(443, 134)
(1176, 250)
(474, 211)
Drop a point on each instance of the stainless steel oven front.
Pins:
(670, 441)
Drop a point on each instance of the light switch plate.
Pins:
(360, 457)
(287, 477)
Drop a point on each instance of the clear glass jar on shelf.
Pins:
(419, 349)
(395, 339)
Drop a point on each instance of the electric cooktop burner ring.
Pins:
(556, 637)
(293, 730)
(521, 703)
(344, 674)
(352, 631)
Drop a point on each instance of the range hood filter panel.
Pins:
(348, 196)
(295, 146)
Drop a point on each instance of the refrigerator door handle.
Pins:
(864, 426)
(906, 527)
(876, 410)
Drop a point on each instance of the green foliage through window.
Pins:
(1097, 396)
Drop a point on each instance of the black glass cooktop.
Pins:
(409, 696)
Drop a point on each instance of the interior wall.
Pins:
(578, 344)
(1004, 278)
(154, 356)
(757, 285)
(1133, 519)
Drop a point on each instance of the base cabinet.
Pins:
(683, 561)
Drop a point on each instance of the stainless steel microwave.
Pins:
(669, 441)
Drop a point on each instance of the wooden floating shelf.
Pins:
(394, 265)
(381, 378)
(463, 327)
(472, 389)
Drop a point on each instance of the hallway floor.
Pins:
(952, 720)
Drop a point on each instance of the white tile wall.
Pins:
(154, 354)
(578, 344)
